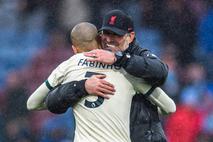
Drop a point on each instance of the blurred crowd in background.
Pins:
(33, 42)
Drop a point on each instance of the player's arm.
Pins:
(36, 100)
(163, 101)
(157, 96)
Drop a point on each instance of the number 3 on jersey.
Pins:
(99, 101)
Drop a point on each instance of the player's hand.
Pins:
(102, 56)
(96, 85)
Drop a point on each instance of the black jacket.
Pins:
(146, 65)
(144, 120)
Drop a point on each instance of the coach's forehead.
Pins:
(84, 32)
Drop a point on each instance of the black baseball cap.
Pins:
(118, 22)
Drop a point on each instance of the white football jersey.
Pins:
(98, 119)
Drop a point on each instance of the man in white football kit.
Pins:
(97, 119)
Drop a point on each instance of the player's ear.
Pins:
(74, 49)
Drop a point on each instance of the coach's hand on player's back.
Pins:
(102, 56)
(96, 85)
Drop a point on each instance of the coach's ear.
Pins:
(131, 36)
(74, 49)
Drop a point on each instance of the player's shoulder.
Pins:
(71, 61)
(66, 65)
(77, 56)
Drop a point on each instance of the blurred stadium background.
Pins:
(33, 42)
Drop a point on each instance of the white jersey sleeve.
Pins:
(158, 96)
(36, 100)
